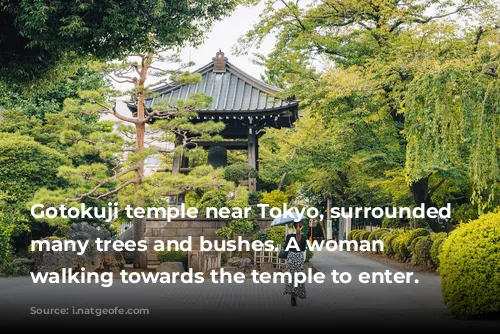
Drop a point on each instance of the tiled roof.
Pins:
(231, 90)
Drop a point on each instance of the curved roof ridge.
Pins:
(259, 84)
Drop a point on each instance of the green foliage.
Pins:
(240, 171)
(6, 230)
(40, 37)
(352, 235)
(309, 255)
(421, 250)
(469, 262)
(466, 138)
(275, 233)
(212, 198)
(275, 198)
(411, 248)
(363, 235)
(41, 101)
(399, 246)
(27, 166)
(191, 198)
(11, 268)
(399, 102)
(378, 235)
(437, 243)
(237, 226)
(173, 256)
(418, 232)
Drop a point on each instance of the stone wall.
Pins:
(181, 229)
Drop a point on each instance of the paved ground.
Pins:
(328, 305)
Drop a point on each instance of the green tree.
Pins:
(39, 39)
(25, 167)
(50, 100)
(99, 181)
(373, 56)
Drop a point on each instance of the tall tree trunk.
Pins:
(420, 191)
(139, 231)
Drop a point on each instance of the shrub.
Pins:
(377, 234)
(388, 241)
(354, 235)
(422, 250)
(364, 235)
(276, 234)
(173, 256)
(412, 246)
(191, 198)
(350, 235)
(399, 245)
(212, 198)
(437, 243)
(358, 234)
(239, 171)
(13, 268)
(418, 232)
(469, 262)
(275, 198)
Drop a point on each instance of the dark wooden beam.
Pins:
(252, 156)
(232, 145)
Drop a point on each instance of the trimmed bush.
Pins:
(399, 245)
(377, 234)
(437, 243)
(412, 246)
(357, 235)
(469, 267)
(353, 234)
(422, 250)
(363, 235)
(388, 240)
(173, 256)
(239, 171)
(418, 232)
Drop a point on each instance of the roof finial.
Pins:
(219, 62)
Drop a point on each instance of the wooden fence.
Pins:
(265, 257)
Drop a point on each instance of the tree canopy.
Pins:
(42, 38)
(401, 98)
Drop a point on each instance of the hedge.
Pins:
(377, 234)
(353, 234)
(388, 241)
(422, 250)
(363, 235)
(418, 232)
(413, 243)
(437, 243)
(470, 267)
(399, 245)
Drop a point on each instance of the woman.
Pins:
(295, 262)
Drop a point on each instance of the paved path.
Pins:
(364, 306)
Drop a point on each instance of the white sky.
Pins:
(224, 35)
